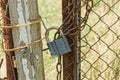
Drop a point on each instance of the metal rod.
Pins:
(70, 72)
(8, 43)
(78, 43)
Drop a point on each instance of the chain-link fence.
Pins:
(73, 24)
(100, 41)
(98, 26)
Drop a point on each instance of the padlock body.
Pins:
(59, 46)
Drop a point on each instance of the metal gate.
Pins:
(99, 30)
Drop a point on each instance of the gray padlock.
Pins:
(59, 46)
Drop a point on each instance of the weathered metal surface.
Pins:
(59, 46)
(69, 72)
(8, 41)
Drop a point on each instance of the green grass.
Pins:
(50, 10)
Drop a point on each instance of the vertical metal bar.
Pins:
(66, 58)
(70, 72)
(8, 41)
(78, 43)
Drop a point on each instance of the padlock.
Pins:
(58, 46)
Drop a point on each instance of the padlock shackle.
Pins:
(48, 30)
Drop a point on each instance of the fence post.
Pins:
(78, 17)
(30, 59)
(8, 41)
(71, 60)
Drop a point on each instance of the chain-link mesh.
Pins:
(100, 38)
(100, 42)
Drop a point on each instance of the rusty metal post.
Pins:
(8, 41)
(71, 72)
(78, 41)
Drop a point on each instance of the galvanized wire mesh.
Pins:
(100, 41)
